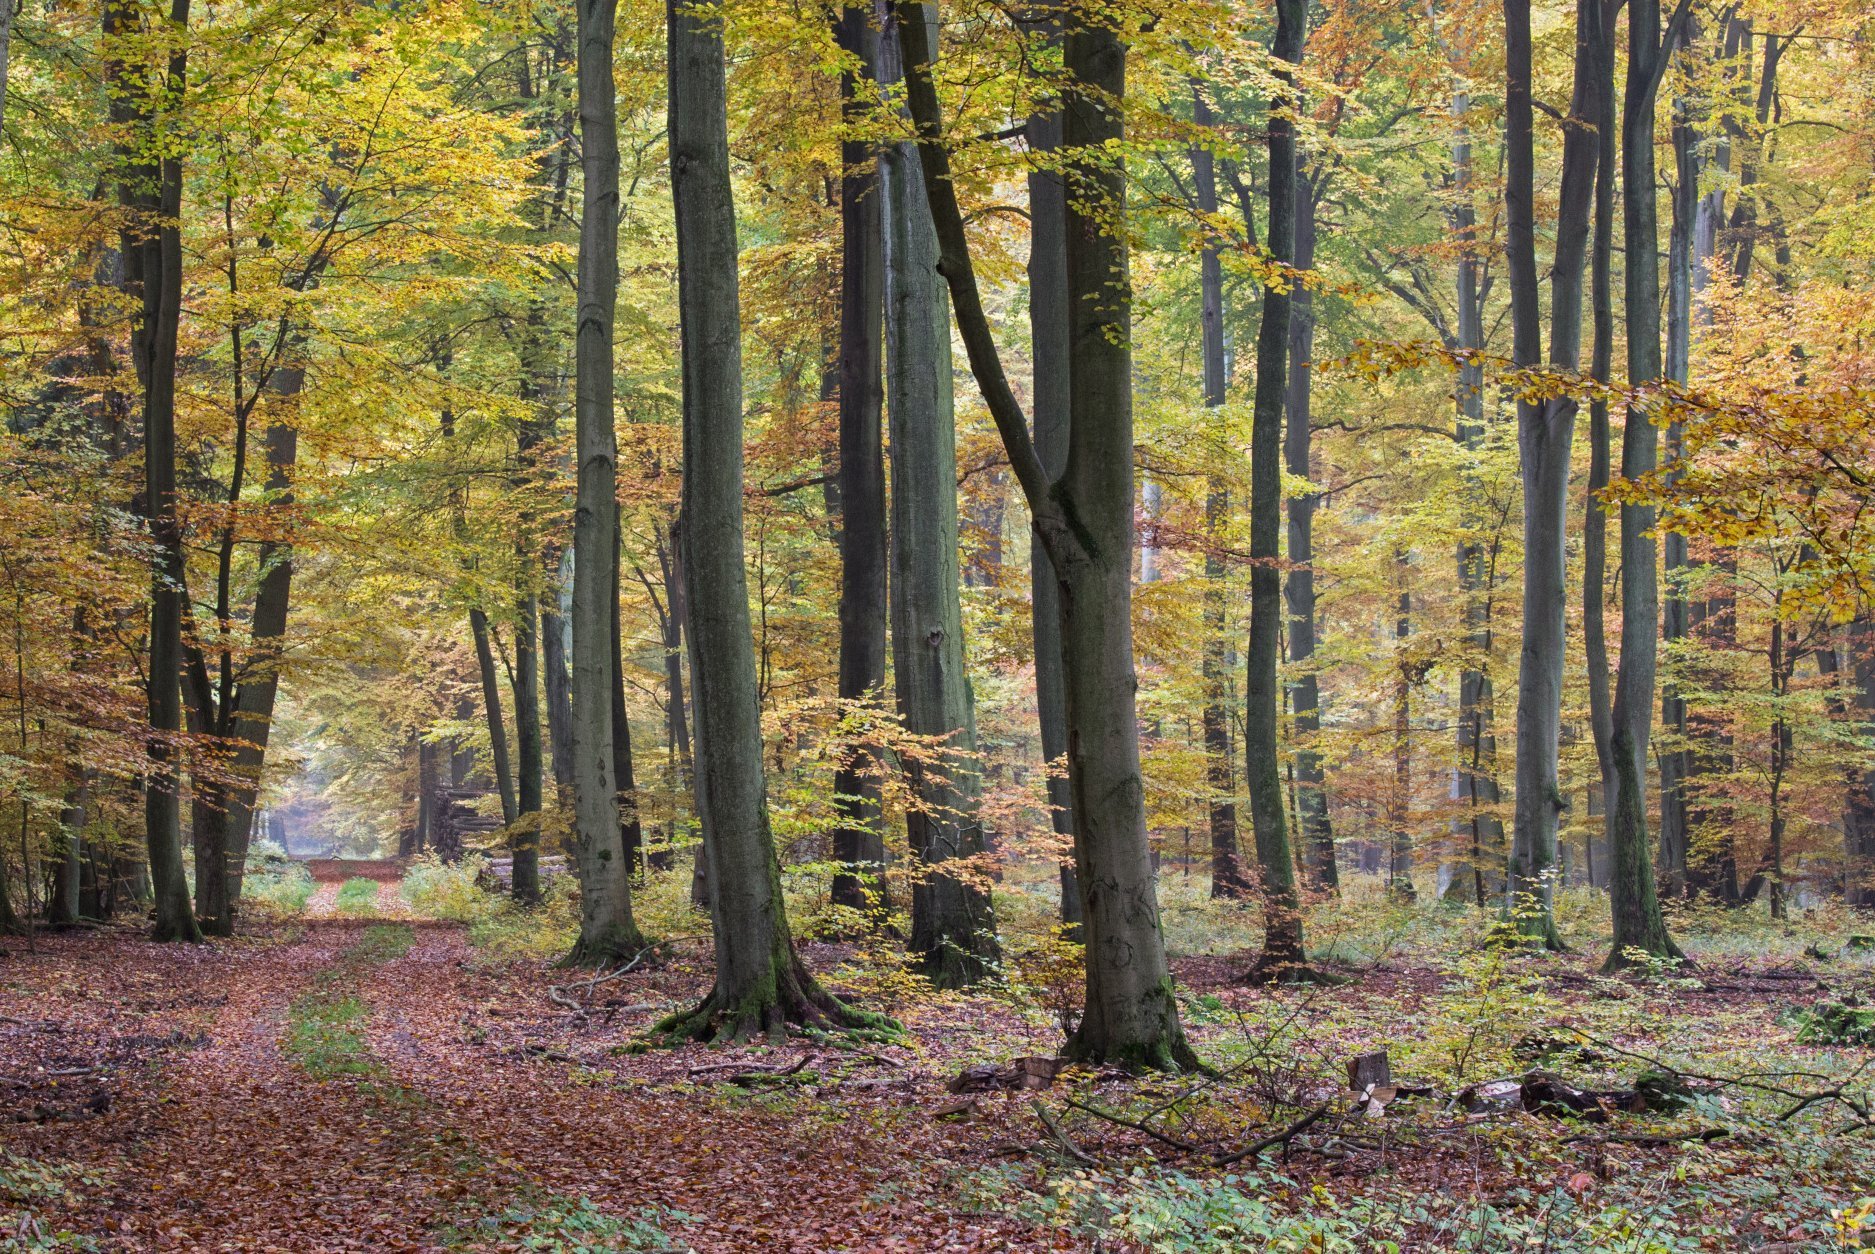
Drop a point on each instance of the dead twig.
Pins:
(1274, 1139)
(1062, 1139)
(1136, 1125)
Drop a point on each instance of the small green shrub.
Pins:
(565, 1226)
(278, 885)
(449, 890)
(1846, 1022)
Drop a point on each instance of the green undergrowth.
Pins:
(279, 886)
(357, 896)
(556, 1224)
(26, 1187)
(326, 1027)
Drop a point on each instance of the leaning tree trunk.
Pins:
(1311, 803)
(761, 985)
(1048, 354)
(498, 761)
(1085, 519)
(1545, 433)
(607, 930)
(151, 188)
(1284, 954)
(953, 930)
(1227, 870)
(1639, 928)
(859, 837)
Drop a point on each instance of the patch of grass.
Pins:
(25, 1182)
(325, 1036)
(384, 942)
(564, 1225)
(357, 896)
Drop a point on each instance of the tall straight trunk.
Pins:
(631, 831)
(1283, 947)
(499, 763)
(761, 985)
(607, 930)
(529, 765)
(150, 186)
(1674, 760)
(1545, 432)
(428, 782)
(1227, 870)
(557, 688)
(1475, 779)
(859, 838)
(1048, 354)
(1311, 803)
(1601, 369)
(1085, 520)
(953, 929)
(1400, 860)
(63, 907)
(1858, 823)
(1638, 925)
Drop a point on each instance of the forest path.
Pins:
(367, 1084)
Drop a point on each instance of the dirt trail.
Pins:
(365, 1084)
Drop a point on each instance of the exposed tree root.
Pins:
(790, 998)
(1290, 970)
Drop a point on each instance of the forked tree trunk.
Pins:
(859, 838)
(761, 985)
(607, 930)
(1284, 953)
(1638, 924)
(1545, 433)
(1048, 354)
(1227, 870)
(151, 188)
(1084, 518)
(953, 929)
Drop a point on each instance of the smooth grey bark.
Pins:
(557, 688)
(1284, 952)
(1858, 823)
(859, 837)
(500, 765)
(1638, 924)
(529, 764)
(1545, 433)
(1313, 828)
(631, 833)
(953, 928)
(1601, 367)
(761, 984)
(1084, 518)
(150, 187)
(1475, 780)
(1228, 878)
(1048, 401)
(607, 930)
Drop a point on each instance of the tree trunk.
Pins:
(1084, 518)
(761, 985)
(151, 188)
(1475, 780)
(859, 838)
(607, 930)
(1313, 830)
(1048, 353)
(1400, 863)
(1638, 925)
(1601, 368)
(1858, 822)
(1227, 870)
(953, 929)
(624, 771)
(499, 764)
(525, 844)
(1545, 432)
(559, 694)
(1284, 953)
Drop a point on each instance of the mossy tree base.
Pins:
(792, 998)
(615, 946)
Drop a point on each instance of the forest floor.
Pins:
(361, 1078)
